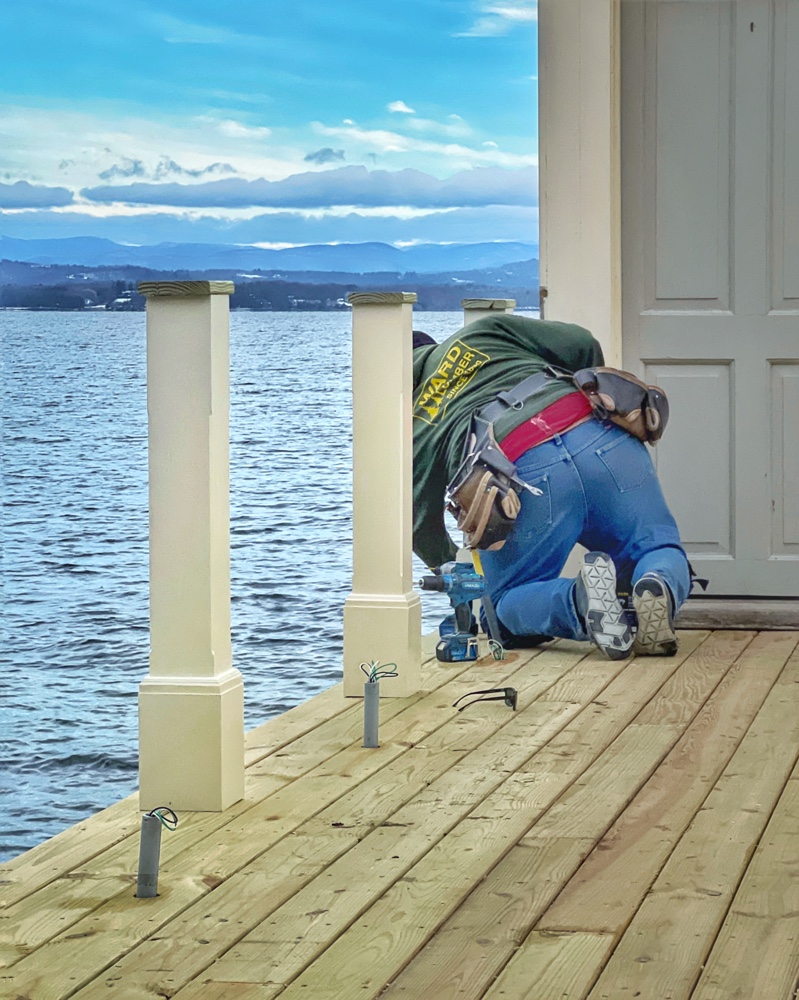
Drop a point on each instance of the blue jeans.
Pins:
(600, 489)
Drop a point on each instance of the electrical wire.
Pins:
(170, 821)
(498, 651)
(374, 672)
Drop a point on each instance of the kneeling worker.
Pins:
(588, 482)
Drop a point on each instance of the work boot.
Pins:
(655, 609)
(599, 607)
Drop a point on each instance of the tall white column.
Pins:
(480, 308)
(191, 705)
(382, 615)
(579, 139)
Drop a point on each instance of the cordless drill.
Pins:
(462, 584)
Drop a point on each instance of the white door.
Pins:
(710, 275)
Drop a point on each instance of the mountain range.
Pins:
(352, 258)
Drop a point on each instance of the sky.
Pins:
(269, 122)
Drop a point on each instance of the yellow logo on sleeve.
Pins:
(454, 373)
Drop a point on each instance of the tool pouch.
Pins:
(484, 493)
(641, 409)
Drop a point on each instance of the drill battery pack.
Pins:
(457, 648)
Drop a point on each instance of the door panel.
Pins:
(785, 203)
(785, 460)
(706, 527)
(688, 175)
(710, 272)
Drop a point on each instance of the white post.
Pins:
(382, 615)
(191, 705)
(580, 166)
(480, 308)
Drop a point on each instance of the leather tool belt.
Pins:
(640, 409)
(484, 494)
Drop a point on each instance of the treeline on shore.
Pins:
(64, 297)
(25, 285)
(277, 296)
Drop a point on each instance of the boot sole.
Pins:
(655, 635)
(604, 618)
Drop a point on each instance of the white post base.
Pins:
(191, 742)
(376, 627)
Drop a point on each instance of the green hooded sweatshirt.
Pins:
(461, 375)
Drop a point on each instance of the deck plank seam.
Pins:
(699, 708)
(520, 666)
(620, 932)
(30, 857)
(319, 873)
(793, 775)
(432, 929)
(509, 847)
(348, 705)
(353, 709)
(205, 896)
(750, 853)
(446, 679)
(710, 787)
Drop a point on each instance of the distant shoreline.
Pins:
(243, 309)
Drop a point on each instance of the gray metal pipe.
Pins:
(149, 855)
(371, 713)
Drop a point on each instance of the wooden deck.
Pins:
(632, 830)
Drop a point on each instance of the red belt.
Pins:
(557, 418)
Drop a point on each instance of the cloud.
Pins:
(326, 155)
(25, 195)
(344, 186)
(235, 130)
(401, 107)
(454, 128)
(499, 18)
(384, 141)
(127, 168)
(166, 166)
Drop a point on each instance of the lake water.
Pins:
(75, 549)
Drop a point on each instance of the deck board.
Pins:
(389, 789)
(644, 808)
(697, 882)
(604, 894)
(764, 918)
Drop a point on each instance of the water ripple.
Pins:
(75, 555)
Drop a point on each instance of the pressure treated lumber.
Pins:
(296, 933)
(647, 807)
(607, 890)
(551, 965)
(371, 953)
(375, 948)
(74, 847)
(696, 885)
(388, 793)
(756, 953)
(111, 929)
(478, 940)
(103, 876)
